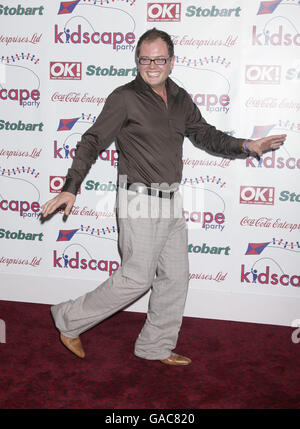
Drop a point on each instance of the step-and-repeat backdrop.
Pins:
(239, 61)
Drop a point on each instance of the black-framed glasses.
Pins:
(158, 61)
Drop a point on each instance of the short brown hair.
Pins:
(154, 34)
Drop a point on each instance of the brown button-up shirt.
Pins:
(149, 135)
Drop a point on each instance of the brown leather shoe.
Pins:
(74, 345)
(175, 359)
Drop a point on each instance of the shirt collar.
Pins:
(141, 85)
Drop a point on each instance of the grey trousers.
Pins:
(154, 255)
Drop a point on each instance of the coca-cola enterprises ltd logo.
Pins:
(263, 195)
(270, 223)
(77, 97)
(163, 12)
(64, 70)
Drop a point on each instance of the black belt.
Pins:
(143, 189)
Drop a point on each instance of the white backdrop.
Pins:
(239, 61)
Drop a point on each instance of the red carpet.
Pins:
(235, 366)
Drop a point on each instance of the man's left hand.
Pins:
(267, 143)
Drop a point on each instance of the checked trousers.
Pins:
(153, 247)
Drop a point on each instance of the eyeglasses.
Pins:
(158, 61)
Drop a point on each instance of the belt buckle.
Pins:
(153, 192)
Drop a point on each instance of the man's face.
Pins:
(153, 74)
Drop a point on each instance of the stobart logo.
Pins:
(20, 10)
(211, 250)
(93, 70)
(85, 33)
(20, 235)
(212, 12)
(20, 126)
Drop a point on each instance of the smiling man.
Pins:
(148, 118)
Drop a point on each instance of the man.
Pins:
(148, 118)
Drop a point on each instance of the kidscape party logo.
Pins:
(66, 148)
(267, 270)
(77, 256)
(278, 30)
(278, 244)
(105, 232)
(204, 202)
(67, 7)
(80, 30)
(213, 95)
(68, 123)
(21, 83)
(18, 192)
(268, 7)
(281, 158)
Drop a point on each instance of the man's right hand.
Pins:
(63, 198)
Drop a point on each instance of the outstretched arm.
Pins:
(207, 137)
